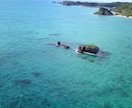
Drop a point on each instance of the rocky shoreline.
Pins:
(104, 8)
(104, 11)
(78, 3)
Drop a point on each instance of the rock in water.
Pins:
(104, 11)
(88, 48)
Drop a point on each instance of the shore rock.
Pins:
(104, 11)
(88, 48)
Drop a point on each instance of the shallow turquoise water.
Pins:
(36, 74)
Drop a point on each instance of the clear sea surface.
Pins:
(34, 73)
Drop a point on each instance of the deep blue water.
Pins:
(34, 73)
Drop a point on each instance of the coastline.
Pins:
(111, 6)
(123, 16)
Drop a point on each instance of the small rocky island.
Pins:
(104, 11)
(63, 45)
(88, 49)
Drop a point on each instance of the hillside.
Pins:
(120, 8)
(125, 9)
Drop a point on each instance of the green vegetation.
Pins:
(92, 46)
(98, 13)
(78, 3)
(112, 5)
(121, 8)
(125, 9)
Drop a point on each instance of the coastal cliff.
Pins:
(78, 3)
(120, 8)
(124, 10)
(104, 11)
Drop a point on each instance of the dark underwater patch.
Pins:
(55, 34)
(36, 74)
(15, 102)
(36, 39)
(46, 102)
(51, 44)
(107, 105)
(90, 58)
(24, 82)
(1, 85)
(104, 54)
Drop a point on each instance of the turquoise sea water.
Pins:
(34, 73)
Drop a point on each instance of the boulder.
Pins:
(88, 48)
(63, 45)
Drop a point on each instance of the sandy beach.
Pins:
(123, 16)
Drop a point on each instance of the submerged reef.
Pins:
(23, 82)
(36, 74)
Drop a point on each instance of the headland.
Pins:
(121, 9)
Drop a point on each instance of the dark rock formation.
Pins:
(36, 74)
(55, 34)
(88, 48)
(104, 11)
(58, 43)
(68, 3)
(63, 45)
(54, 2)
